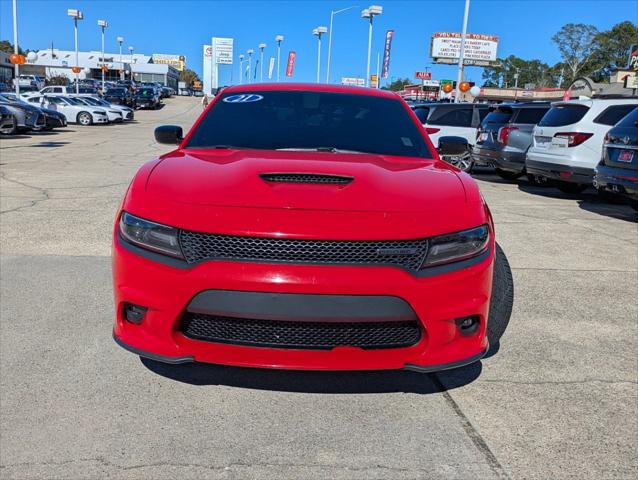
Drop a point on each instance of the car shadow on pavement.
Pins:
(49, 144)
(349, 382)
(614, 210)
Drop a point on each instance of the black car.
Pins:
(617, 172)
(119, 96)
(54, 119)
(146, 97)
(504, 136)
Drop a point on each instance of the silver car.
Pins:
(28, 117)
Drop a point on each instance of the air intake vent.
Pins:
(306, 178)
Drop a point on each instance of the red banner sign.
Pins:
(290, 68)
(423, 75)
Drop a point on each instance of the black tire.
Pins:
(533, 179)
(609, 197)
(571, 188)
(502, 299)
(462, 162)
(84, 118)
(507, 175)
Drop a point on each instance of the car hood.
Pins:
(233, 178)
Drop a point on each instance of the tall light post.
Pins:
(102, 24)
(459, 76)
(76, 15)
(369, 13)
(278, 39)
(130, 49)
(120, 41)
(250, 63)
(332, 14)
(317, 32)
(241, 68)
(16, 68)
(261, 61)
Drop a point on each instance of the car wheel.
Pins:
(84, 118)
(507, 175)
(502, 299)
(571, 188)
(463, 162)
(534, 180)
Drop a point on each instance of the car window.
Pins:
(612, 115)
(629, 120)
(455, 117)
(56, 100)
(530, 116)
(422, 113)
(483, 113)
(560, 115)
(58, 90)
(498, 116)
(297, 119)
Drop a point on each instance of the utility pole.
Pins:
(459, 77)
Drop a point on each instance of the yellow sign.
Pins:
(374, 81)
(175, 61)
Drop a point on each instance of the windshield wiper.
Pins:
(318, 149)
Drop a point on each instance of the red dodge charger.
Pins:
(307, 227)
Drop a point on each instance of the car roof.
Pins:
(311, 87)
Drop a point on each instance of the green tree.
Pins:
(529, 71)
(189, 76)
(58, 80)
(399, 84)
(612, 49)
(7, 47)
(576, 44)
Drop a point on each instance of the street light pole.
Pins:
(102, 24)
(278, 39)
(16, 68)
(250, 63)
(332, 14)
(241, 68)
(130, 49)
(76, 15)
(369, 13)
(261, 62)
(120, 40)
(317, 32)
(459, 77)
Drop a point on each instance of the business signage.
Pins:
(175, 61)
(374, 81)
(423, 75)
(445, 47)
(385, 69)
(353, 81)
(290, 67)
(431, 83)
(633, 58)
(223, 51)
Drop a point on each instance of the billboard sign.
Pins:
(374, 81)
(431, 83)
(445, 47)
(207, 76)
(175, 61)
(223, 50)
(290, 67)
(423, 75)
(633, 58)
(385, 69)
(353, 81)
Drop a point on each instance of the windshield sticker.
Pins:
(407, 141)
(243, 98)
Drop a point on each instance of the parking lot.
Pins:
(557, 400)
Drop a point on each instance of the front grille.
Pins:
(306, 178)
(300, 335)
(407, 254)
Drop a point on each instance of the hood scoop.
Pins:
(315, 178)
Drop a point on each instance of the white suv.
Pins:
(568, 141)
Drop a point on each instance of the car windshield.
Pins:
(72, 101)
(324, 121)
(115, 91)
(92, 101)
(629, 120)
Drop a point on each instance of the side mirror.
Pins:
(453, 146)
(169, 134)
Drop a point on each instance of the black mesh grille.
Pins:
(301, 335)
(306, 178)
(408, 254)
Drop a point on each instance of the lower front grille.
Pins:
(300, 335)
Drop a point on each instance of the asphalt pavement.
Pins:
(559, 399)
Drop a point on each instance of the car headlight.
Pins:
(150, 235)
(457, 246)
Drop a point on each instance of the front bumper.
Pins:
(167, 291)
(100, 119)
(617, 180)
(510, 161)
(560, 172)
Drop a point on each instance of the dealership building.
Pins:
(143, 68)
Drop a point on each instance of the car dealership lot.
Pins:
(558, 399)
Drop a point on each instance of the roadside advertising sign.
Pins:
(353, 81)
(271, 66)
(175, 61)
(374, 80)
(632, 64)
(445, 47)
(290, 67)
(431, 83)
(423, 75)
(223, 50)
(385, 69)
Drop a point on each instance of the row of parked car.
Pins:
(569, 144)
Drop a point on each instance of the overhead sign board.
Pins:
(445, 47)
(223, 50)
(423, 75)
(431, 83)
(175, 61)
(353, 81)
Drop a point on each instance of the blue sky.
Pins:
(182, 27)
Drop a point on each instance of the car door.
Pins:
(452, 121)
